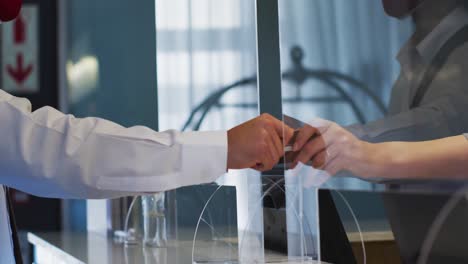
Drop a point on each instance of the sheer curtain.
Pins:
(203, 45)
(352, 37)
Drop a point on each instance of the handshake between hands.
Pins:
(260, 143)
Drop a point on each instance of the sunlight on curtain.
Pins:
(351, 37)
(202, 46)
(207, 44)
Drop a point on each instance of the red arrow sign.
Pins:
(19, 32)
(19, 74)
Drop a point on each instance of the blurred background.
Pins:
(191, 65)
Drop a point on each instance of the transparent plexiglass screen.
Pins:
(206, 57)
(374, 71)
(207, 80)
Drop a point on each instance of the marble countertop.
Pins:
(68, 247)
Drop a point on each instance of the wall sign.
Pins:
(20, 49)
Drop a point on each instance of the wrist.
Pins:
(234, 156)
(376, 158)
(388, 160)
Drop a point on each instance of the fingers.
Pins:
(318, 126)
(288, 134)
(335, 161)
(333, 167)
(290, 157)
(306, 149)
(276, 130)
(323, 145)
(270, 149)
(314, 147)
(267, 153)
(303, 137)
(281, 129)
(323, 158)
(276, 142)
(256, 143)
(320, 159)
(273, 152)
(311, 149)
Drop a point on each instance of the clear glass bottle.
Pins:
(154, 220)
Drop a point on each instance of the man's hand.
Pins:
(327, 146)
(257, 143)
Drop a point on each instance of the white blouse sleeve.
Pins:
(50, 154)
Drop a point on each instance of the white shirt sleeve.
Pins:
(50, 154)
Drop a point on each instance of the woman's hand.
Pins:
(326, 145)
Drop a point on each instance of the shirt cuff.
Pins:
(204, 156)
(357, 130)
(466, 135)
